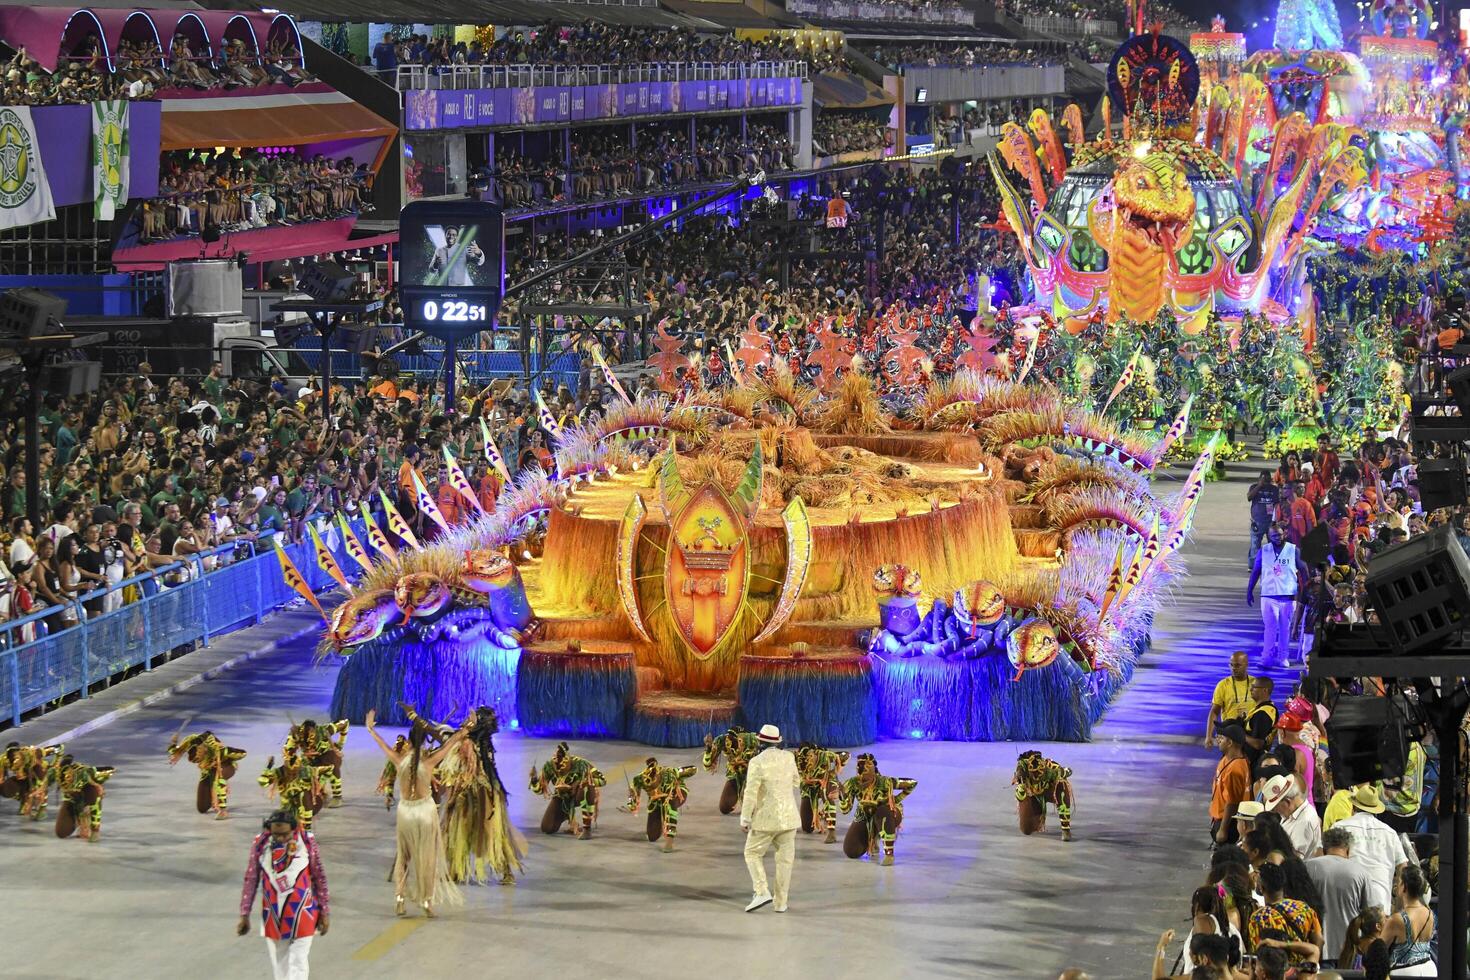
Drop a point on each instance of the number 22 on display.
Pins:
(453, 312)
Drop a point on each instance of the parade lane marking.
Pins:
(379, 946)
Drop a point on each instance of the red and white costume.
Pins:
(293, 898)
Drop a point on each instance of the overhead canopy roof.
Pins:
(287, 120)
(844, 90)
(732, 14)
(53, 34)
(477, 12)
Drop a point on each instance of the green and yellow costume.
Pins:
(820, 770)
(82, 792)
(1039, 781)
(666, 793)
(879, 801)
(216, 762)
(29, 772)
(298, 785)
(572, 783)
(321, 745)
(738, 747)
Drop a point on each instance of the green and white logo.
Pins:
(109, 157)
(17, 155)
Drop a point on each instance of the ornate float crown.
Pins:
(704, 552)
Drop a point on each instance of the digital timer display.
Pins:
(453, 311)
(452, 274)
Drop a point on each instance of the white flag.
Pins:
(109, 158)
(25, 194)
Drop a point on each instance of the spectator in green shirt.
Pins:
(272, 513)
(214, 383)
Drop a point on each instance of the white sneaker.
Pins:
(757, 902)
(780, 908)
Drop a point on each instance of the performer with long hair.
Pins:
(388, 780)
(571, 783)
(217, 763)
(879, 801)
(1039, 781)
(420, 839)
(477, 830)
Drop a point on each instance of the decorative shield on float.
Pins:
(706, 576)
(707, 569)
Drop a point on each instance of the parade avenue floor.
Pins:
(968, 896)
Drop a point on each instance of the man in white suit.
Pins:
(769, 817)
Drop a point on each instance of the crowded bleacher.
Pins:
(239, 190)
(847, 132)
(884, 11)
(157, 478)
(959, 54)
(139, 70)
(591, 43)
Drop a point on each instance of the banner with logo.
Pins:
(109, 158)
(25, 195)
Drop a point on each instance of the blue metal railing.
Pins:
(482, 365)
(61, 662)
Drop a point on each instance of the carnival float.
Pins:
(980, 562)
(1223, 183)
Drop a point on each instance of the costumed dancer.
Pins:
(321, 745)
(879, 800)
(29, 770)
(297, 785)
(738, 747)
(1039, 781)
(294, 904)
(81, 799)
(216, 762)
(477, 829)
(571, 784)
(389, 779)
(14, 781)
(420, 838)
(820, 770)
(666, 793)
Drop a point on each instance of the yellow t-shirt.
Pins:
(1340, 807)
(1232, 699)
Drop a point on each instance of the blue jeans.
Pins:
(1258, 531)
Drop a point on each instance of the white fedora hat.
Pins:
(769, 733)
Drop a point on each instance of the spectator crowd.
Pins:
(141, 71)
(835, 132)
(889, 11)
(956, 54)
(1312, 868)
(1117, 11)
(239, 190)
(595, 43)
(604, 163)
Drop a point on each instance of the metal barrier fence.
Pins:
(410, 77)
(480, 365)
(1070, 26)
(885, 12)
(65, 661)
